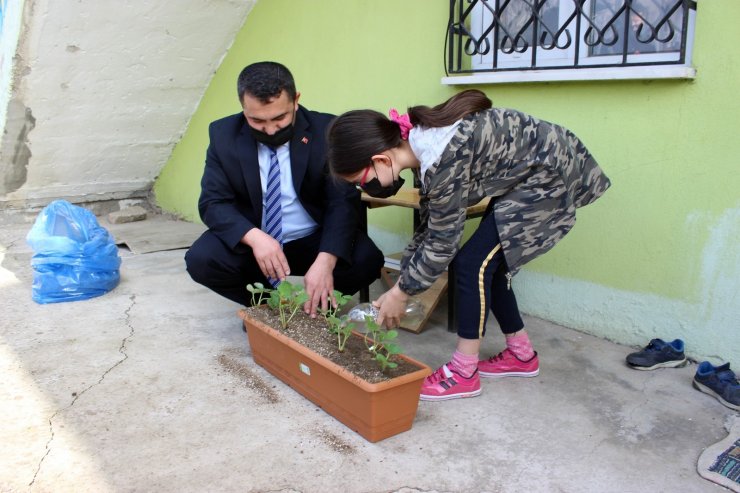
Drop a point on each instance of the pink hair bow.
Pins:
(403, 122)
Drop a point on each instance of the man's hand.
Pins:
(268, 253)
(391, 307)
(319, 283)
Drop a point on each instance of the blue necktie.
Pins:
(273, 210)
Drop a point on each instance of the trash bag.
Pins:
(74, 257)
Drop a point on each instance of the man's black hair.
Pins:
(265, 81)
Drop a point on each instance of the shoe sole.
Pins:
(474, 393)
(703, 388)
(527, 374)
(665, 364)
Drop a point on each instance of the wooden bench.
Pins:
(409, 198)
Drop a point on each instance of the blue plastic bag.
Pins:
(74, 257)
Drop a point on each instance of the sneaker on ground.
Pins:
(719, 382)
(506, 364)
(658, 354)
(446, 384)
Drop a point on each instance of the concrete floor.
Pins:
(152, 387)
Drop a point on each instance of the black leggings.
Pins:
(480, 277)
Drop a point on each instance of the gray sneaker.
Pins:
(658, 354)
(719, 382)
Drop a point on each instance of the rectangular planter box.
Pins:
(375, 411)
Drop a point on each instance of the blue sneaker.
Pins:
(658, 354)
(719, 382)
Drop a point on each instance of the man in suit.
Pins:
(318, 233)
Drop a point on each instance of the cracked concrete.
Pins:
(152, 388)
(77, 395)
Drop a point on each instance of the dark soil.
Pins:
(314, 334)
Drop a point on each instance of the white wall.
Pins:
(101, 92)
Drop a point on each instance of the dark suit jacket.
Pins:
(231, 193)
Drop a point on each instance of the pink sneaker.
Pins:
(446, 384)
(506, 364)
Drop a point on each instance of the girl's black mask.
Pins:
(275, 140)
(375, 189)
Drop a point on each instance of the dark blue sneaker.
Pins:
(719, 382)
(658, 354)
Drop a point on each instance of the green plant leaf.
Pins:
(392, 348)
(285, 289)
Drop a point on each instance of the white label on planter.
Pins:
(305, 369)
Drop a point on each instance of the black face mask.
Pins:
(375, 189)
(275, 140)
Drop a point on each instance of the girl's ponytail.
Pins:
(447, 113)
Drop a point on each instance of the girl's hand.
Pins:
(391, 307)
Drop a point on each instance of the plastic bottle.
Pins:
(414, 312)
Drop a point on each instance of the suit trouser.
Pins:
(480, 277)
(213, 264)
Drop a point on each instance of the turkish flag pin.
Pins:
(304, 140)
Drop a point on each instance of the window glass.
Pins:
(655, 26)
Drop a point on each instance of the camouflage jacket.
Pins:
(537, 172)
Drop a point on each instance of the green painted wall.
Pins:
(668, 229)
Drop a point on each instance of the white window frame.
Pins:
(550, 58)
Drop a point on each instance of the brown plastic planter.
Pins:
(375, 411)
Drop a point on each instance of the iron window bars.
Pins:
(485, 36)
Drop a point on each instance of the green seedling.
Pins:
(332, 308)
(380, 342)
(341, 326)
(287, 299)
(259, 293)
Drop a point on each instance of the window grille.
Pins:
(485, 36)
